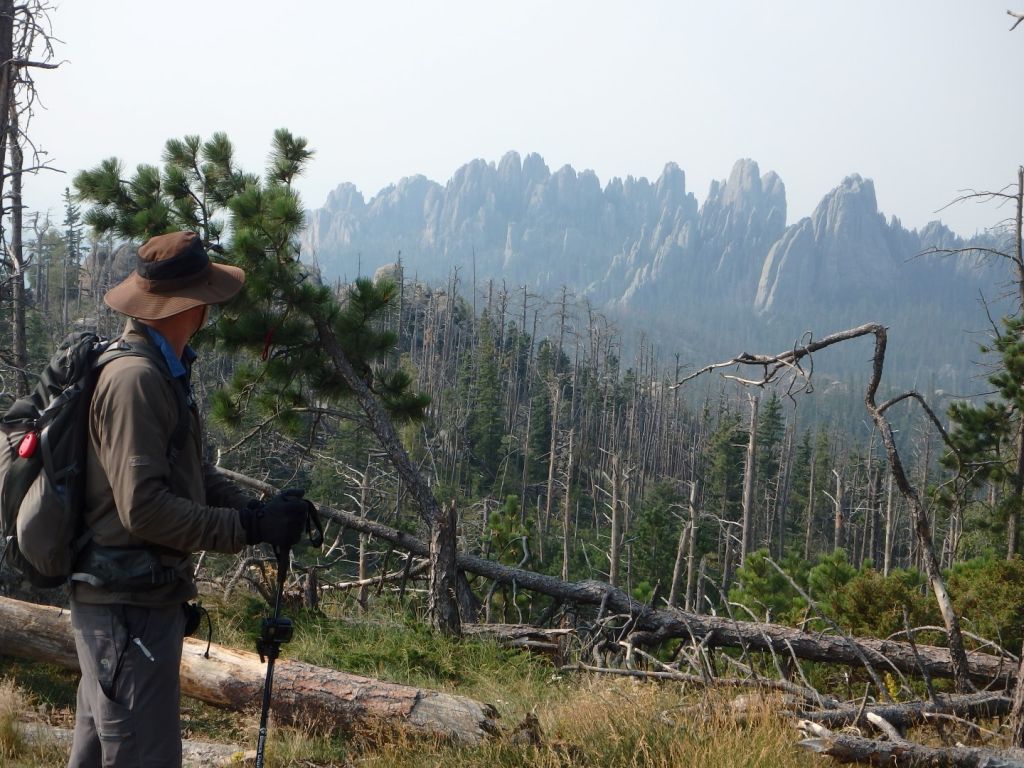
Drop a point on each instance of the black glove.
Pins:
(279, 522)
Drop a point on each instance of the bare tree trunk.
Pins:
(810, 509)
(614, 545)
(659, 625)
(685, 532)
(20, 338)
(782, 500)
(552, 452)
(749, 476)
(1013, 520)
(889, 528)
(839, 538)
(443, 602)
(691, 559)
(566, 516)
(958, 655)
(774, 364)
(364, 502)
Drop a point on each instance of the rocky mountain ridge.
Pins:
(704, 279)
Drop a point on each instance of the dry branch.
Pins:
(234, 680)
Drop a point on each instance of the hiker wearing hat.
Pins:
(149, 503)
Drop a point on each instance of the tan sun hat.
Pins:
(174, 273)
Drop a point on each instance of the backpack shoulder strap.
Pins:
(122, 348)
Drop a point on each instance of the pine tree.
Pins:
(486, 425)
(987, 438)
(305, 347)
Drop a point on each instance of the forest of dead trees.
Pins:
(566, 446)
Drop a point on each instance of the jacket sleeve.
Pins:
(222, 492)
(134, 414)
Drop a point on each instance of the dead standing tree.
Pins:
(776, 368)
(25, 45)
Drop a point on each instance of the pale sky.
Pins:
(923, 96)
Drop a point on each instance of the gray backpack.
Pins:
(43, 441)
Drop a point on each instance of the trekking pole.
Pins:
(278, 630)
(274, 632)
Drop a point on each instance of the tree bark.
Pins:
(234, 680)
(443, 602)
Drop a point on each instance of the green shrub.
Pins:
(988, 593)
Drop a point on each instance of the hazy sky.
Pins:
(923, 96)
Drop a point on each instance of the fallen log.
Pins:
(234, 680)
(972, 706)
(654, 626)
(847, 748)
(524, 636)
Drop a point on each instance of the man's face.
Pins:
(202, 314)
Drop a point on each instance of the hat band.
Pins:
(175, 283)
(189, 263)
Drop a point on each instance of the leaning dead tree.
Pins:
(793, 366)
(649, 626)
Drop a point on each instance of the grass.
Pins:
(17, 750)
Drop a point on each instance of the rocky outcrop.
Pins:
(842, 249)
(729, 271)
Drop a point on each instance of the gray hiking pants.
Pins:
(128, 699)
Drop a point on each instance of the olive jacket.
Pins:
(136, 495)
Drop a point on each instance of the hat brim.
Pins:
(131, 296)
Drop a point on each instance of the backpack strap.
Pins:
(121, 348)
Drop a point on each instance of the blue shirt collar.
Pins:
(176, 365)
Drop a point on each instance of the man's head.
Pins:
(173, 275)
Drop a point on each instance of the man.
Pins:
(151, 502)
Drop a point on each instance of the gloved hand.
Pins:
(279, 522)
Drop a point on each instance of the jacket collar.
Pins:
(179, 367)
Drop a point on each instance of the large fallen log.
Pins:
(652, 626)
(234, 679)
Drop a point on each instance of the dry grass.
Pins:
(17, 750)
(616, 723)
(12, 704)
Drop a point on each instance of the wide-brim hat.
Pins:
(174, 273)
